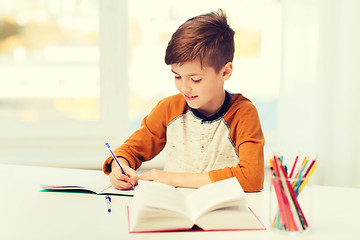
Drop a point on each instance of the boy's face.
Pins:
(202, 87)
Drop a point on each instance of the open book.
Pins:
(216, 206)
(80, 180)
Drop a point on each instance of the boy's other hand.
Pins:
(121, 181)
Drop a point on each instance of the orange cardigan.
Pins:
(227, 144)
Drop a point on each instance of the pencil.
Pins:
(308, 176)
(277, 186)
(296, 206)
(288, 216)
(293, 167)
(292, 202)
(302, 165)
(309, 168)
(290, 213)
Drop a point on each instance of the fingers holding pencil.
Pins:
(122, 176)
(122, 181)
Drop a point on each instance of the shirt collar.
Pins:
(217, 115)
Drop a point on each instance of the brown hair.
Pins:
(207, 37)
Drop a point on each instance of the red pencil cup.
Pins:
(290, 204)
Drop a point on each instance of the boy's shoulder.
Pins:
(172, 105)
(239, 103)
(238, 99)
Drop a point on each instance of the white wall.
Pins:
(319, 110)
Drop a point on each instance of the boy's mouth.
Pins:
(189, 98)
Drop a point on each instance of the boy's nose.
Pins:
(185, 87)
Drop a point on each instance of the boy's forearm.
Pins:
(190, 180)
(177, 179)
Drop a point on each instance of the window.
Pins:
(61, 73)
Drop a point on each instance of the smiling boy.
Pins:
(208, 133)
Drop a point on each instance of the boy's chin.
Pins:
(193, 106)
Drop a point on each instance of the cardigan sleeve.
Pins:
(150, 139)
(145, 143)
(249, 141)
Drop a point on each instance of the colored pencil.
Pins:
(307, 178)
(278, 190)
(290, 213)
(293, 167)
(295, 219)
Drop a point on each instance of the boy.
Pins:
(209, 133)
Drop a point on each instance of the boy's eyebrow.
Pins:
(189, 75)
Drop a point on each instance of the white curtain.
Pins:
(319, 103)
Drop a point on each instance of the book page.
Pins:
(95, 181)
(231, 218)
(158, 207)
(154, 219)
(161, 196)
(215, 195)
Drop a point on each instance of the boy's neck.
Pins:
(222, 109)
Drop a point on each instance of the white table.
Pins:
(26, 213)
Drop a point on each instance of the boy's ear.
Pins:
(227, 70)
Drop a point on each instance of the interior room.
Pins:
(76, 74)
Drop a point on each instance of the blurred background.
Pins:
(75, 74)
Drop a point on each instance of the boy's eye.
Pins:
(196, 80)
(177, 77)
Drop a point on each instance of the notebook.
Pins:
(80, 180)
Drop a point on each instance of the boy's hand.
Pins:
(119, 180)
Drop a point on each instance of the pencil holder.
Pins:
(290, 204)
